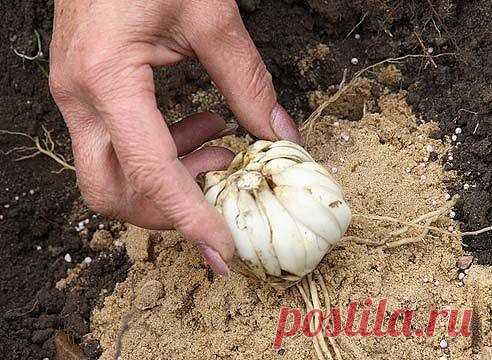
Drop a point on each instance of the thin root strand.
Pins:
(45, 146)
(39, 54)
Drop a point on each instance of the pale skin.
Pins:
(130, 164)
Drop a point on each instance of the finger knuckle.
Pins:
(221, 17)
(60, 91)
(92, 67)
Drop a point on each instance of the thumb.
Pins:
(226, 50)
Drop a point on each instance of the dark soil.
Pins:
(37, 207)
(289, 34)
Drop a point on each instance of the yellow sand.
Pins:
(382, 163)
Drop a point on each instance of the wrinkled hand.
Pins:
(129, 163)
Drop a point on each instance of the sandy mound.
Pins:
(172, 307)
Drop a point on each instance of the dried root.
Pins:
(422, 222)
(308, 125)
(309, 292)
(45, 146)
(39, 55)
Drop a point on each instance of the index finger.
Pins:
(224, 47)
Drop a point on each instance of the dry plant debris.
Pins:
(44, 146)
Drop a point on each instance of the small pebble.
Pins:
(458, 131)
(38, 247)
(68, 258)
(334, 170)
(345, 136)
(452, 214)
(466, 186)
(118, 243)
(426, 159)
(31, 192)
(450, 158)
(443, 344)
(447, 196)
(450, 229)
(6, 206)
(430, 50)
(86, 221)
(454, 137)
(357, 36)
(461, 276)
(354, 61)
(16, 198)
(430, 148)
(407, 170)
(94, 216)
(24, 194)
(87, 260)
(101, 226)
(1, 217)
(423, 178)
(464, 262)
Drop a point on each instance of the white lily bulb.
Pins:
(285, 211)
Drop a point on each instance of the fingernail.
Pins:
(283, 126)
(230, 129)
(215, 261)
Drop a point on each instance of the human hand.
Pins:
(129, 163)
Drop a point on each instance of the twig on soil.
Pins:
(38, 55)
(441, 22)
(402, 222)
(309, 123)
(411, 240)
(435, 26)
(426, 51)
(433, 215)
(399, 59)
(357, 25)
(429, 218)
(477, 232)
(344, 79)
(44, 146)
